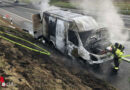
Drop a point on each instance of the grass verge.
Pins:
(62, 4)
(123, 6)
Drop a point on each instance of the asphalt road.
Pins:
(121, 80)
(21, 15)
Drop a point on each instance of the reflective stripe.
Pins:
(118, 45)
(117, 51)
(116, 68)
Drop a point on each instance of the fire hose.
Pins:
(125, 58)
(41, 51)
(35, 50)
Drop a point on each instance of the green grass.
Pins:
(62, 4)
(125, 12)
(124, 7)
(56, 3)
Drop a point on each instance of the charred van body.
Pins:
(73, 34)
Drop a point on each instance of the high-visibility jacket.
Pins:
(117, 50)
(119, 53)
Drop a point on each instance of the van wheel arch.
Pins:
(52, 44)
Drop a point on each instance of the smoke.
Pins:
(43, 5)
(107, 16)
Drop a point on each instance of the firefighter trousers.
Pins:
(116, 62)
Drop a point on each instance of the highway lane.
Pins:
(28, 10)
(22, 16)
(20, 11)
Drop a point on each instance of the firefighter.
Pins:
(117, 52)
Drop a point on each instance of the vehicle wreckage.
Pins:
(73, 34)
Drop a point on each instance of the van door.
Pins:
(73, 43)
(37, 25)
(60, 35)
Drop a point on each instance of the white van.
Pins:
(73, 34)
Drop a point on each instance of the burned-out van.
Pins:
(73, 34)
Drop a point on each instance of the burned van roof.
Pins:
(67, 15)
(84, 23)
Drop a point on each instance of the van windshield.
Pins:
(86, 23)
(95, 41)
(85, 36)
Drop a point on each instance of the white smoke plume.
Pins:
(107, 15)
(43, 5)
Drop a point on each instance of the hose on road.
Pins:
(126, 56)
(42, 51)
(126, 59)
